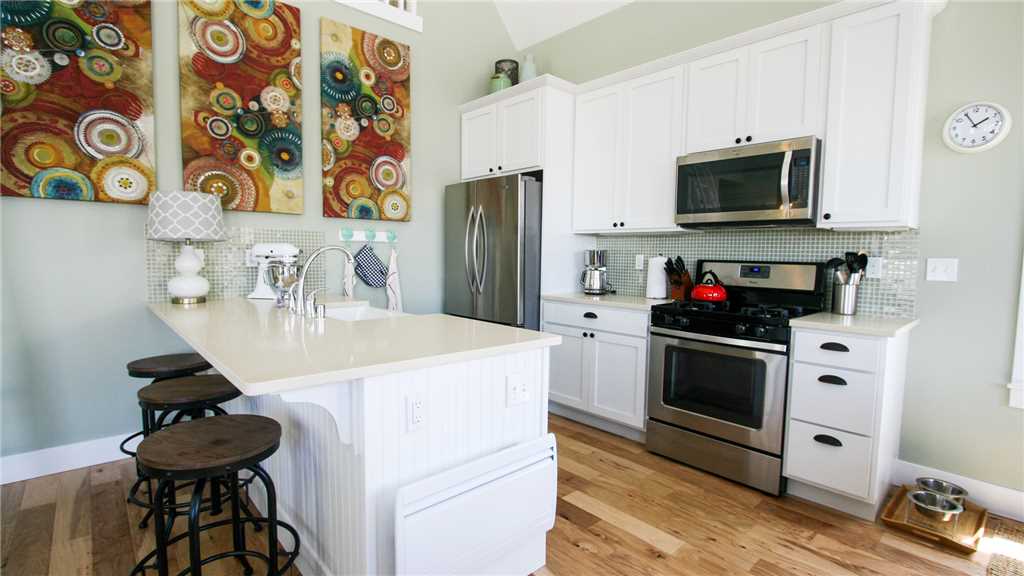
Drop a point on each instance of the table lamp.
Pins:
(180, 216)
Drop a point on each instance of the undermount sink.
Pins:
(358, 313)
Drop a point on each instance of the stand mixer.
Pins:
(278, 269)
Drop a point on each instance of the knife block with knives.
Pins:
(679, 279)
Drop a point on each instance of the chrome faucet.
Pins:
(303, 304)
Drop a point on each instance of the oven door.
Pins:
(731, 389)
(760, 183)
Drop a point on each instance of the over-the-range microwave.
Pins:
(775, 183)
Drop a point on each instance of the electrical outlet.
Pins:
(516, 391)
(250, 260)
(875, 267)
(415, 413)
(942, 269)
(639, 263)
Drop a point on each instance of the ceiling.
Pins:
(532, 21)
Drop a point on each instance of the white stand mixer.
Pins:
(265, 255)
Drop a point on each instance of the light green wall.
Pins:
(73, 297)
(956, 416)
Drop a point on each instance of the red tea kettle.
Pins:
(710, 288)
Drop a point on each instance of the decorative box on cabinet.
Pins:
(845, 405)
(600, 369)
(876, 107)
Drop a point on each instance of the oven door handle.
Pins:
(738, 343)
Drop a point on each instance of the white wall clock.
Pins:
(976, 127)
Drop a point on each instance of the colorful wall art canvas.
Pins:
(241, 115)
(76, 80)
(365, 123)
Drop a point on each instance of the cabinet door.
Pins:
(716, 101)
(519, 132)
(567, 367)
(652, 132)
(866, 154)
(479, 142)
(619, 383)
(596, 167)
(785, 87)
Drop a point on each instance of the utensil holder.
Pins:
(844, 299)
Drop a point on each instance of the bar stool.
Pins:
(160, 368)
(202, 451)
(168, 401)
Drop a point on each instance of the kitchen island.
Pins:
(411, 444)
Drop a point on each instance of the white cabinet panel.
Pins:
(829, 458)
(619, 364)
(520, 135)
(596, 168)
(833, 397)
(567, 367)
(785, 87)
(479, 142)
(716, 102)
(872, 155)
(652, 143)
(829, 349)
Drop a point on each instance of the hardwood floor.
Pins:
(621, 511)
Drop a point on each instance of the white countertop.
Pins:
(610, 300)
(262, 349)
(856, 324)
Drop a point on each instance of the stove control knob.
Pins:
(740, 328)
(759, 331)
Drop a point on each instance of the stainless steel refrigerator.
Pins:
(492, 250)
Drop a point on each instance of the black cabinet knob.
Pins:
(622, 224)
(615, 224)
(827, 216)
(749, 138)
(826, 439)
(499, 167)
(490, 169)
(738, 140)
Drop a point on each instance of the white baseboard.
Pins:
(999, 500)
(597, 422)
(17, 467)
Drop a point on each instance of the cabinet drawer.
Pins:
(598, 318)
(811, 456)
(833, 397)
(839, 350)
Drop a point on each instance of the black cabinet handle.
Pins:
(490, 169)
(834, 347)
(591, 334)
(829, 379)
(590, 315)
(738, 140)
(622, 224)
(826, 439)
(749, 138)
(584, 334)
(499, 167)
(615, 224)
(827, 216)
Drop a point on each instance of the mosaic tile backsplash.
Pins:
(225, 262)
(892, 295)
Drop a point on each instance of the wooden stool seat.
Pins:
(168, 366)
(188, 391)
(213, 446)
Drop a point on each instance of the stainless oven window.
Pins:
(731, 185)
(721, 386)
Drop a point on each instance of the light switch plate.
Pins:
(875, 267)
(516, 391)
(942, 269)
(639, 262)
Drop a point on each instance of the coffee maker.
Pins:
(594, 278)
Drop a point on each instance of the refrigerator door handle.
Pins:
(483, 272)
(469, 276)
(475, 283)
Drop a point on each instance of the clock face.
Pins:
(976, 127)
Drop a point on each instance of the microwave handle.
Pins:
(787, 160)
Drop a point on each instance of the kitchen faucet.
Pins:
(303, 304)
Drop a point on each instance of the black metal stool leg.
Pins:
(194, 557)
(161, 535)
(172, 502)
(147, 429)
(237, 526)
(268, 485)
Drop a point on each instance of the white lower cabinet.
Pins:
(843, 423)
(600, 368)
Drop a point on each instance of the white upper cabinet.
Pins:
(878, 74)
(771, 90)
(479, 142)
(504, 137)
(786, 88)
(627, 140)
(520, 141)
(596, 167)
(716, 103)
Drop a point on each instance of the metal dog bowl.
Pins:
(947, 489)
(934, 506)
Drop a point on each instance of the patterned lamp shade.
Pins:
(176, 215)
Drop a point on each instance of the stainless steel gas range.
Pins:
(718, 371)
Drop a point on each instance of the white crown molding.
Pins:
(999, 500)
(18, 467)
